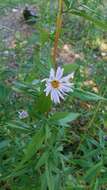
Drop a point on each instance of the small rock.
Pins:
(6, 52)
(105, 138)
(14, 10)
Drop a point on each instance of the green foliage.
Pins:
(63, 146)
(86, 96)
(4, 93)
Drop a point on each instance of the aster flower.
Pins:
(57, 85)
(23, 114)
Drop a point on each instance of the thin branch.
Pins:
(5, 27)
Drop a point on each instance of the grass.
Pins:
(64, 146)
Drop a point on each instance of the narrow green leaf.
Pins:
(103, 179)
(64, 117)
(69, 3)
(93, 172)
(4, 93)
(26, 88)
(96, 185)
(49, 177)
(18, 126)
(42, 160)
(69, 118)
(32, 147)
(58, 116)
(97, 22)
(61, 115)
(86, 96)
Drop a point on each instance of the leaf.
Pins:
(103, 179)
(26, 88)
(44, 35)
(7, 73)
(4, 144)
(97, 22)
(93, 172)
(58, 116)
(91, 153)
(70, 68)
(44, 103)
(50, 179)
(69, 3)
(18, 126)
(33, 147)
(47, 132)
(69, 118)
(86, 96)
(4, 93)
(64, 117)
(42, 160)
(96, 185)
(82, 162)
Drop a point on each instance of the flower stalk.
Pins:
(58, 29)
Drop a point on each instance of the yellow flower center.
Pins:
(55, 83)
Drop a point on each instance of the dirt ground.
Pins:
(13, 26)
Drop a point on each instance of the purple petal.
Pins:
(48, 90)
(59, 73)
(67, 78)
(23, 114)
(60, 95)
(65, 88)
(52, 74)
(55, 96)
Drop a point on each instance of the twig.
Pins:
(5, 27)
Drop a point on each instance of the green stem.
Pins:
(57, 34)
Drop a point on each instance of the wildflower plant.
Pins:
(49, 118)
(23, 114)
(57, 85)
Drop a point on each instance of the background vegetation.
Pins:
(61, 147)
